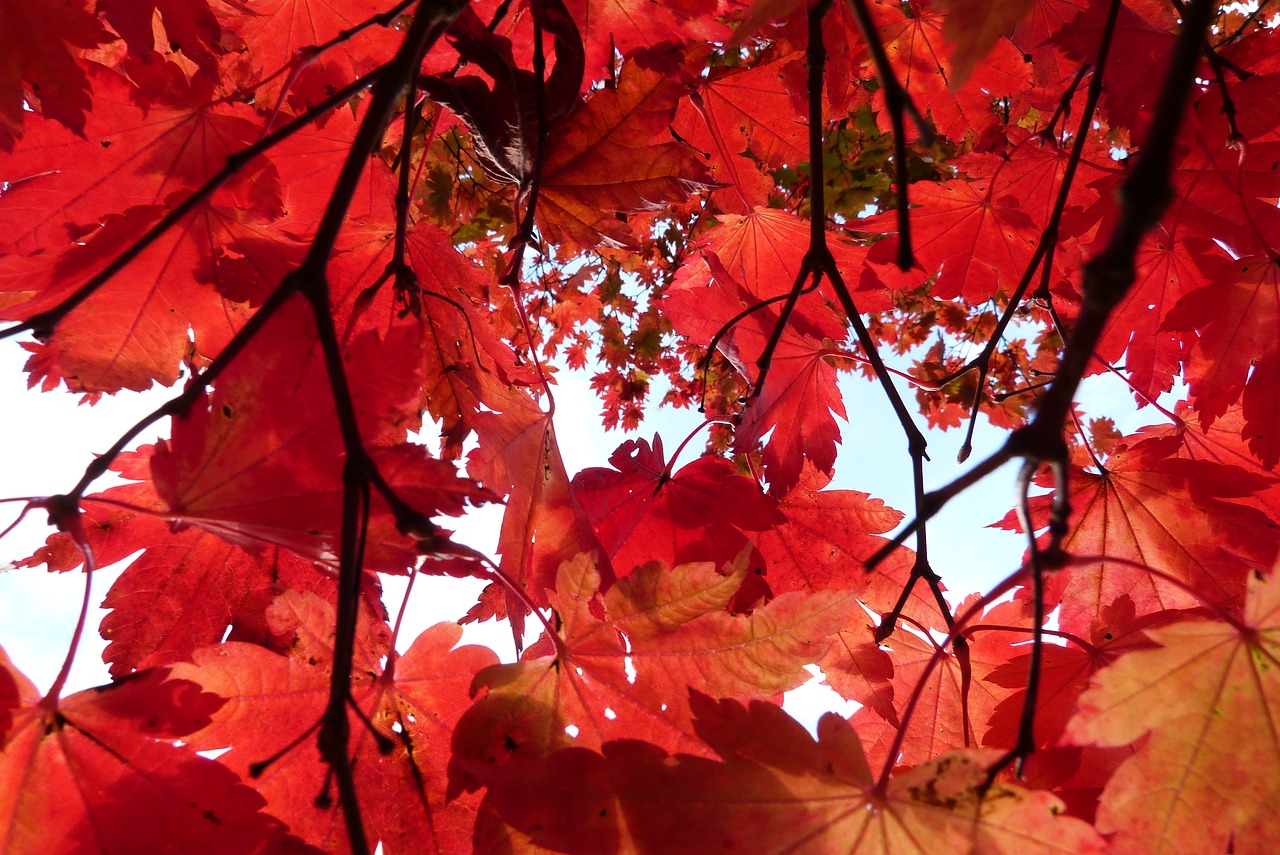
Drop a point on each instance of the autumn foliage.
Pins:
(359, 239)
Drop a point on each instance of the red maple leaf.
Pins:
(361, 296)
(1236, 352)
(131, 152)
(823, 541)
(271, 698)
(917, 48)
(128, 335)
(740, 116)
(624, 26)
(973, 29)
(951, 709)
(798, 404)
(974, 235)
(190, 27)
(104, 769)
(440, 293)
(39, 47)
(1153, 354)
(281, 34)
(1147, 31)
(249, 425)
(764, 252)
(642, 512)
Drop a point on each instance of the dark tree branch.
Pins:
(1217, 64)
(1216, 60)
(797, 290)
(406, 281)
(389, 83)
(897, 102)
(1064, 103)
(819, 262)
(1049, 237)
(1025, 743)
(1144, 195)
(524, 236)
(961, 625)
(428, 25)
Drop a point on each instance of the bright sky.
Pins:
(48, 439)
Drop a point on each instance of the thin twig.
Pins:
(428, 25)
(1144, 195)
(1025, 743)
(524, 235)
(1048, 237)
(305, 56)
(960, 626)
(897, 102)
(820, 262)
(1244, 25)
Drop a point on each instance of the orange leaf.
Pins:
(630, 659)
(1207, 698)
(607, 159)
(543, 524)
(778, 790)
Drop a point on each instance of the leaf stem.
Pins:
(940, 651)
(67, 516)
(1026, 742)
(524, 235)
(1144, 195)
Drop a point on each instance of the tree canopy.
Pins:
(361, 238)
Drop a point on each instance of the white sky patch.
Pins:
(811, 701)
(48, 440)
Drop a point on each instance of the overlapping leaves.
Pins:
(668, 171)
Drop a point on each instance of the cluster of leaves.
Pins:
(344, 223)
